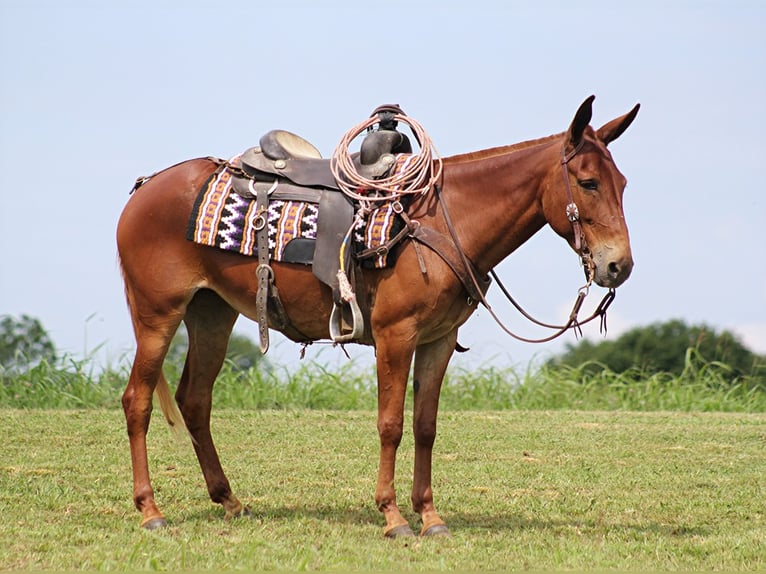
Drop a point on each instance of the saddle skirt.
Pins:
(225, 219)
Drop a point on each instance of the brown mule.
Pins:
(496, 198)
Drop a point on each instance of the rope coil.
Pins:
(416, 177)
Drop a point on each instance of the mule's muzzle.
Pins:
(612, 271)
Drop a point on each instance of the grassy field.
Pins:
(520, 489)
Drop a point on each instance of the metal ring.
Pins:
(265, 267)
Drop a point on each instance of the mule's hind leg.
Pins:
(431, 361)
(209, 321)
(152, 340)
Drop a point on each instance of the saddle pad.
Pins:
(222, 218)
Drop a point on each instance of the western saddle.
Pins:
(285, 166)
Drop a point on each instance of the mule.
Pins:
(496, 199)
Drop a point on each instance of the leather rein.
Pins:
(581, 247)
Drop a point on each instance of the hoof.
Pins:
(154, 524)
(243, 513)
(437, 530)
(401, 531)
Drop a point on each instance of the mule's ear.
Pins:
(580, 122)
(612, 130)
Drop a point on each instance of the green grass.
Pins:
(550, 468)
(702, 387)
(520, 489)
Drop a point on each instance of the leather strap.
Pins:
(446, 249)
(264, 273)
(385, 248)
(144, 178)
(440, 244)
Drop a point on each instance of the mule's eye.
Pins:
(588, 184)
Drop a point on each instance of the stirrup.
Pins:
(336, 323)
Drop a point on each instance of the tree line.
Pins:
(665, 347)
(24, 343)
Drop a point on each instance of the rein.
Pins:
(581, 247)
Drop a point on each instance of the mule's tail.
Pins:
(169, 407)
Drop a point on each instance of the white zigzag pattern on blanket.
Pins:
(233, 222)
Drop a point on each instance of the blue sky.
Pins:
(94, 94)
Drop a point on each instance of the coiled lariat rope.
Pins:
(418, 176)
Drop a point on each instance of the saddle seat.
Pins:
(281, 144)
(282, 154)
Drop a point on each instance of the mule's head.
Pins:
(583, 198)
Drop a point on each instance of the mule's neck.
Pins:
(494, 198)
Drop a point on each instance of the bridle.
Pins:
(581, 248)
(573, 214)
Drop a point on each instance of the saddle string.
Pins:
(580, 246)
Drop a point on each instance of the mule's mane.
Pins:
(501, 150)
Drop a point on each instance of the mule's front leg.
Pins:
(393, 361)
(430, 365)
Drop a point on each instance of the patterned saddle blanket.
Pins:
(224, 219)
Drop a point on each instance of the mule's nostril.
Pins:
(615, 272)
